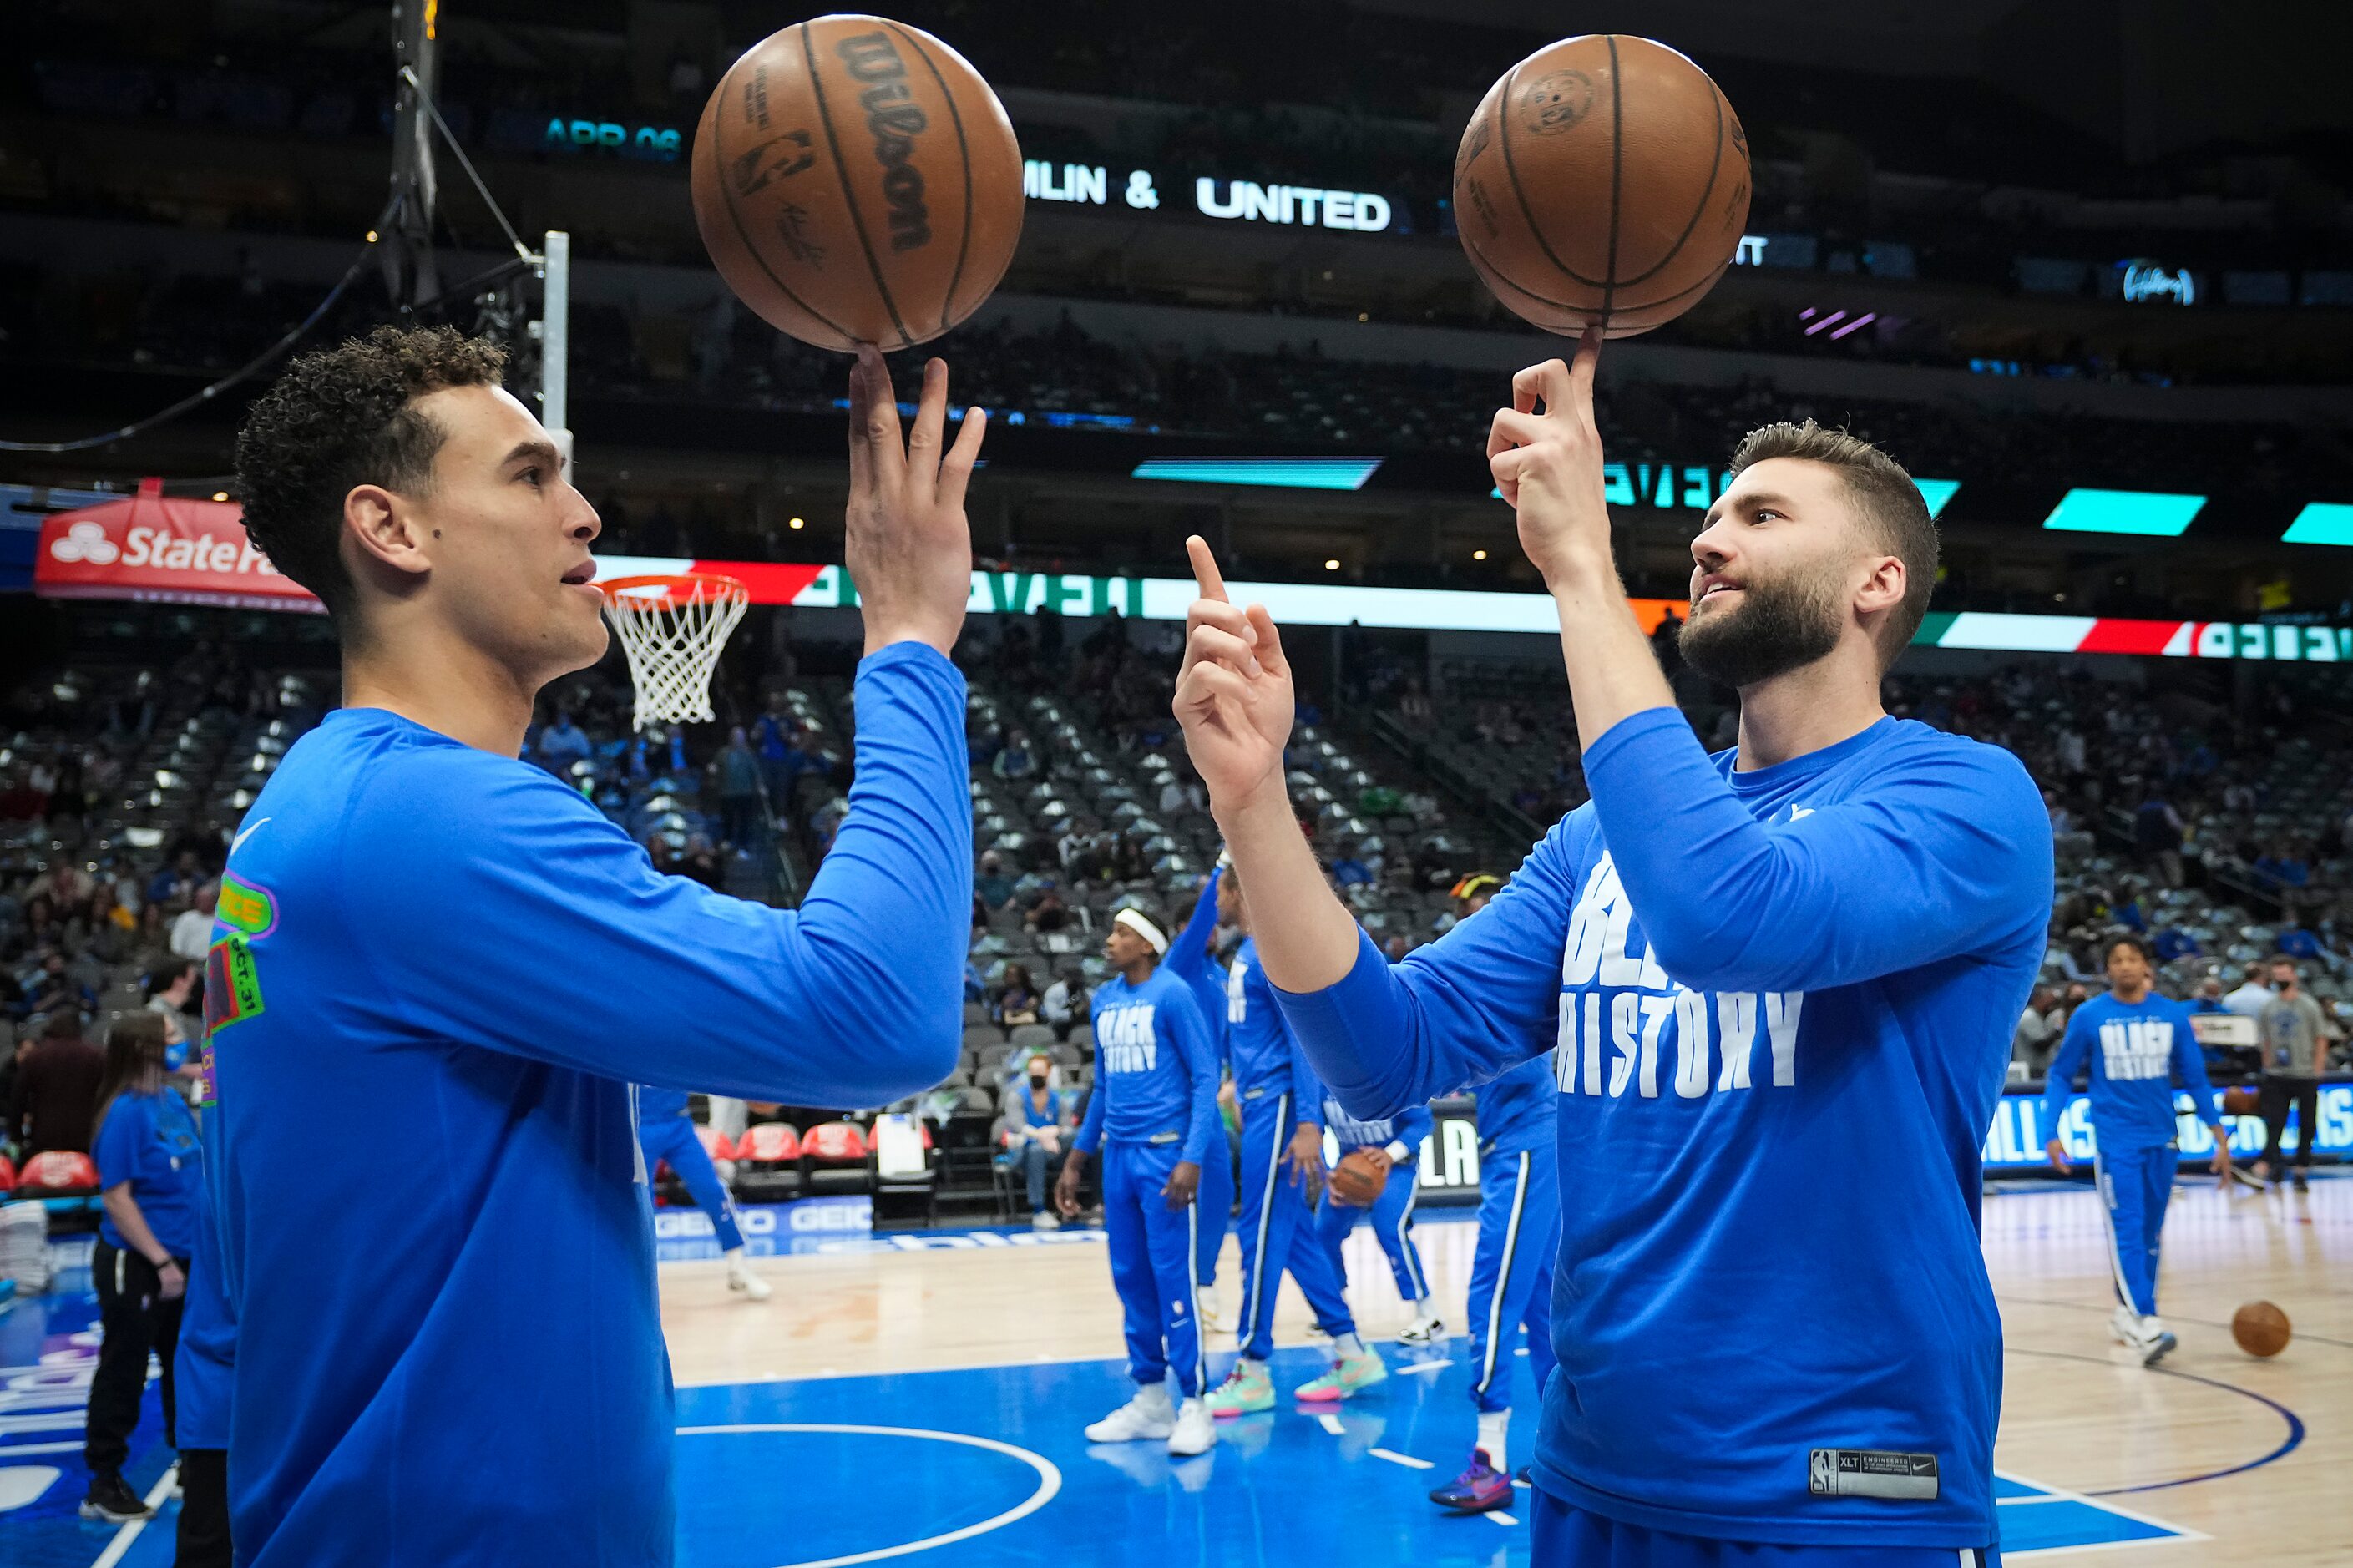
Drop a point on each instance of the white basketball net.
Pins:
(672, 628)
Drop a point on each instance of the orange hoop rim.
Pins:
(675, 589)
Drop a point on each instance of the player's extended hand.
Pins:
(2059, 1162)
(1548, 464)
(906, 546)
(2221, 1160)
(1066, 1186)
(1183, 1182)
(1305, 1158)
(1233, 694)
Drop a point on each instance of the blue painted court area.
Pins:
(961, 1468)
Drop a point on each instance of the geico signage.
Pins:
(1244, 201)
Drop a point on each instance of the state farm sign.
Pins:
(160, 548)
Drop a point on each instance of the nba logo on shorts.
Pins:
(1819, 1478)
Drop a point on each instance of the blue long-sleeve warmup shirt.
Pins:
(1408, 1127)
(1155, 1068)
(1517, 1110)
(2134, 1052)
(448, 1345)
(1779, 1006)
(1266, 1058)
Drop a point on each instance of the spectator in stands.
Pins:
(563, 743)
(1350, 871)
(2208, 997)
(2295, 1053)
(56, 1088)
(151, 1176)
(2156, 834)
(1016, 998)
(1395, 947)
(738, 792)
(176, 881)
(192, 933)
(2282, 870)
(1015, 760)
(1048, 914)
(2040, 1028)
(1033, 1125)
(2251, 997)
(56, 990)
(781, 760)
(994, 888)
(1064, 1004)
(701, 862)
(173, 994)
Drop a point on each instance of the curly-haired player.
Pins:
(414, 910)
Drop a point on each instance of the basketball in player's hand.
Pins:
(2261, 1328)
(856, 180)
(1358, 1178)
(1604, 179)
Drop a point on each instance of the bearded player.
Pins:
(1777, 987)
(455, 1356)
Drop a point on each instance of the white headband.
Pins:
(1136, 922)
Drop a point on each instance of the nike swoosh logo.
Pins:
(1796, 812)
(237, 843)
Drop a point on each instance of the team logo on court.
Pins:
(1555, 101)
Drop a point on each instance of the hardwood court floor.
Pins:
(2256, 1456)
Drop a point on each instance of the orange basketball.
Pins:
(1604, 179)
(2261, 1328)
(856, 180)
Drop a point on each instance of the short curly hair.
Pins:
(346, 416)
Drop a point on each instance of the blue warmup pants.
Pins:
(1155, 1257)
(1562, 1536)
(672, 1139)
(1511, 1270)
(2135, 1186)
(1216, 1202)
(1392, 1213)
(1278, 1233)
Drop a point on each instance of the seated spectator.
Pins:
(2297, 943)
(1063, 1006)
(174, 991)
(563, 743)
(176, 881)
(2207, 998)
(2036, 1039)
(994, 887)
(1048, 914)
(1015, 760)
(1349, 872)
(2172, 944)
(192, 933)
(1034, 1124)
(56, 1088)
(1016, 998)
(702, 863)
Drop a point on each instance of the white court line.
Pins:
(1394, 1457)
(1050, 1481)
(13, 1450)
(130, 1533)
(1330, 1424)
(2180, 1533)
(1505, 1519)
(1420, 1367)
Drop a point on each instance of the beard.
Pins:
(1778, 626)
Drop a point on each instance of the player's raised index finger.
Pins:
(1578, 380)
(1211, 582)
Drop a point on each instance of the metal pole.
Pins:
(555, 340)
(409, 270)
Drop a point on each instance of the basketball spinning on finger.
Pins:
(1604, 179)
(856, 180)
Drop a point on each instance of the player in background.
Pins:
(455, 1355)
(666, 1132)
(1774, 1343)
(1395, 1141)
(1192, 959)
(1511, 1266)
(1154, 1114)
(206, 1354)
(2134, 1041)
(1282, 1168)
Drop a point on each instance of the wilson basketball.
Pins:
(1603, 179)
(856, 180)
(2261, 1328)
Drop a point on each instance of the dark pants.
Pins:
(204, 1510)
(135, 1319)
(2273, 1095)
(739, 816)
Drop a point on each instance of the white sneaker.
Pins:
(741, 1278)
(2122, 1324)
(1211, 1315)
(1196, 1431)
(1148, 1415)
(1422, 1332)
(1045, 1220)
(2152, 1340)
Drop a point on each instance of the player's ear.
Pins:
(386, 534)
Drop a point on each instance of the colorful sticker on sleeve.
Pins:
(232, 985)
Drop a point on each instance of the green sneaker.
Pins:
(1350, 1374)
(1246, 1391)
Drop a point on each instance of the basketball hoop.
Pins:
(672, 628)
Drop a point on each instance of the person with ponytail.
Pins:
(149, 1173)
